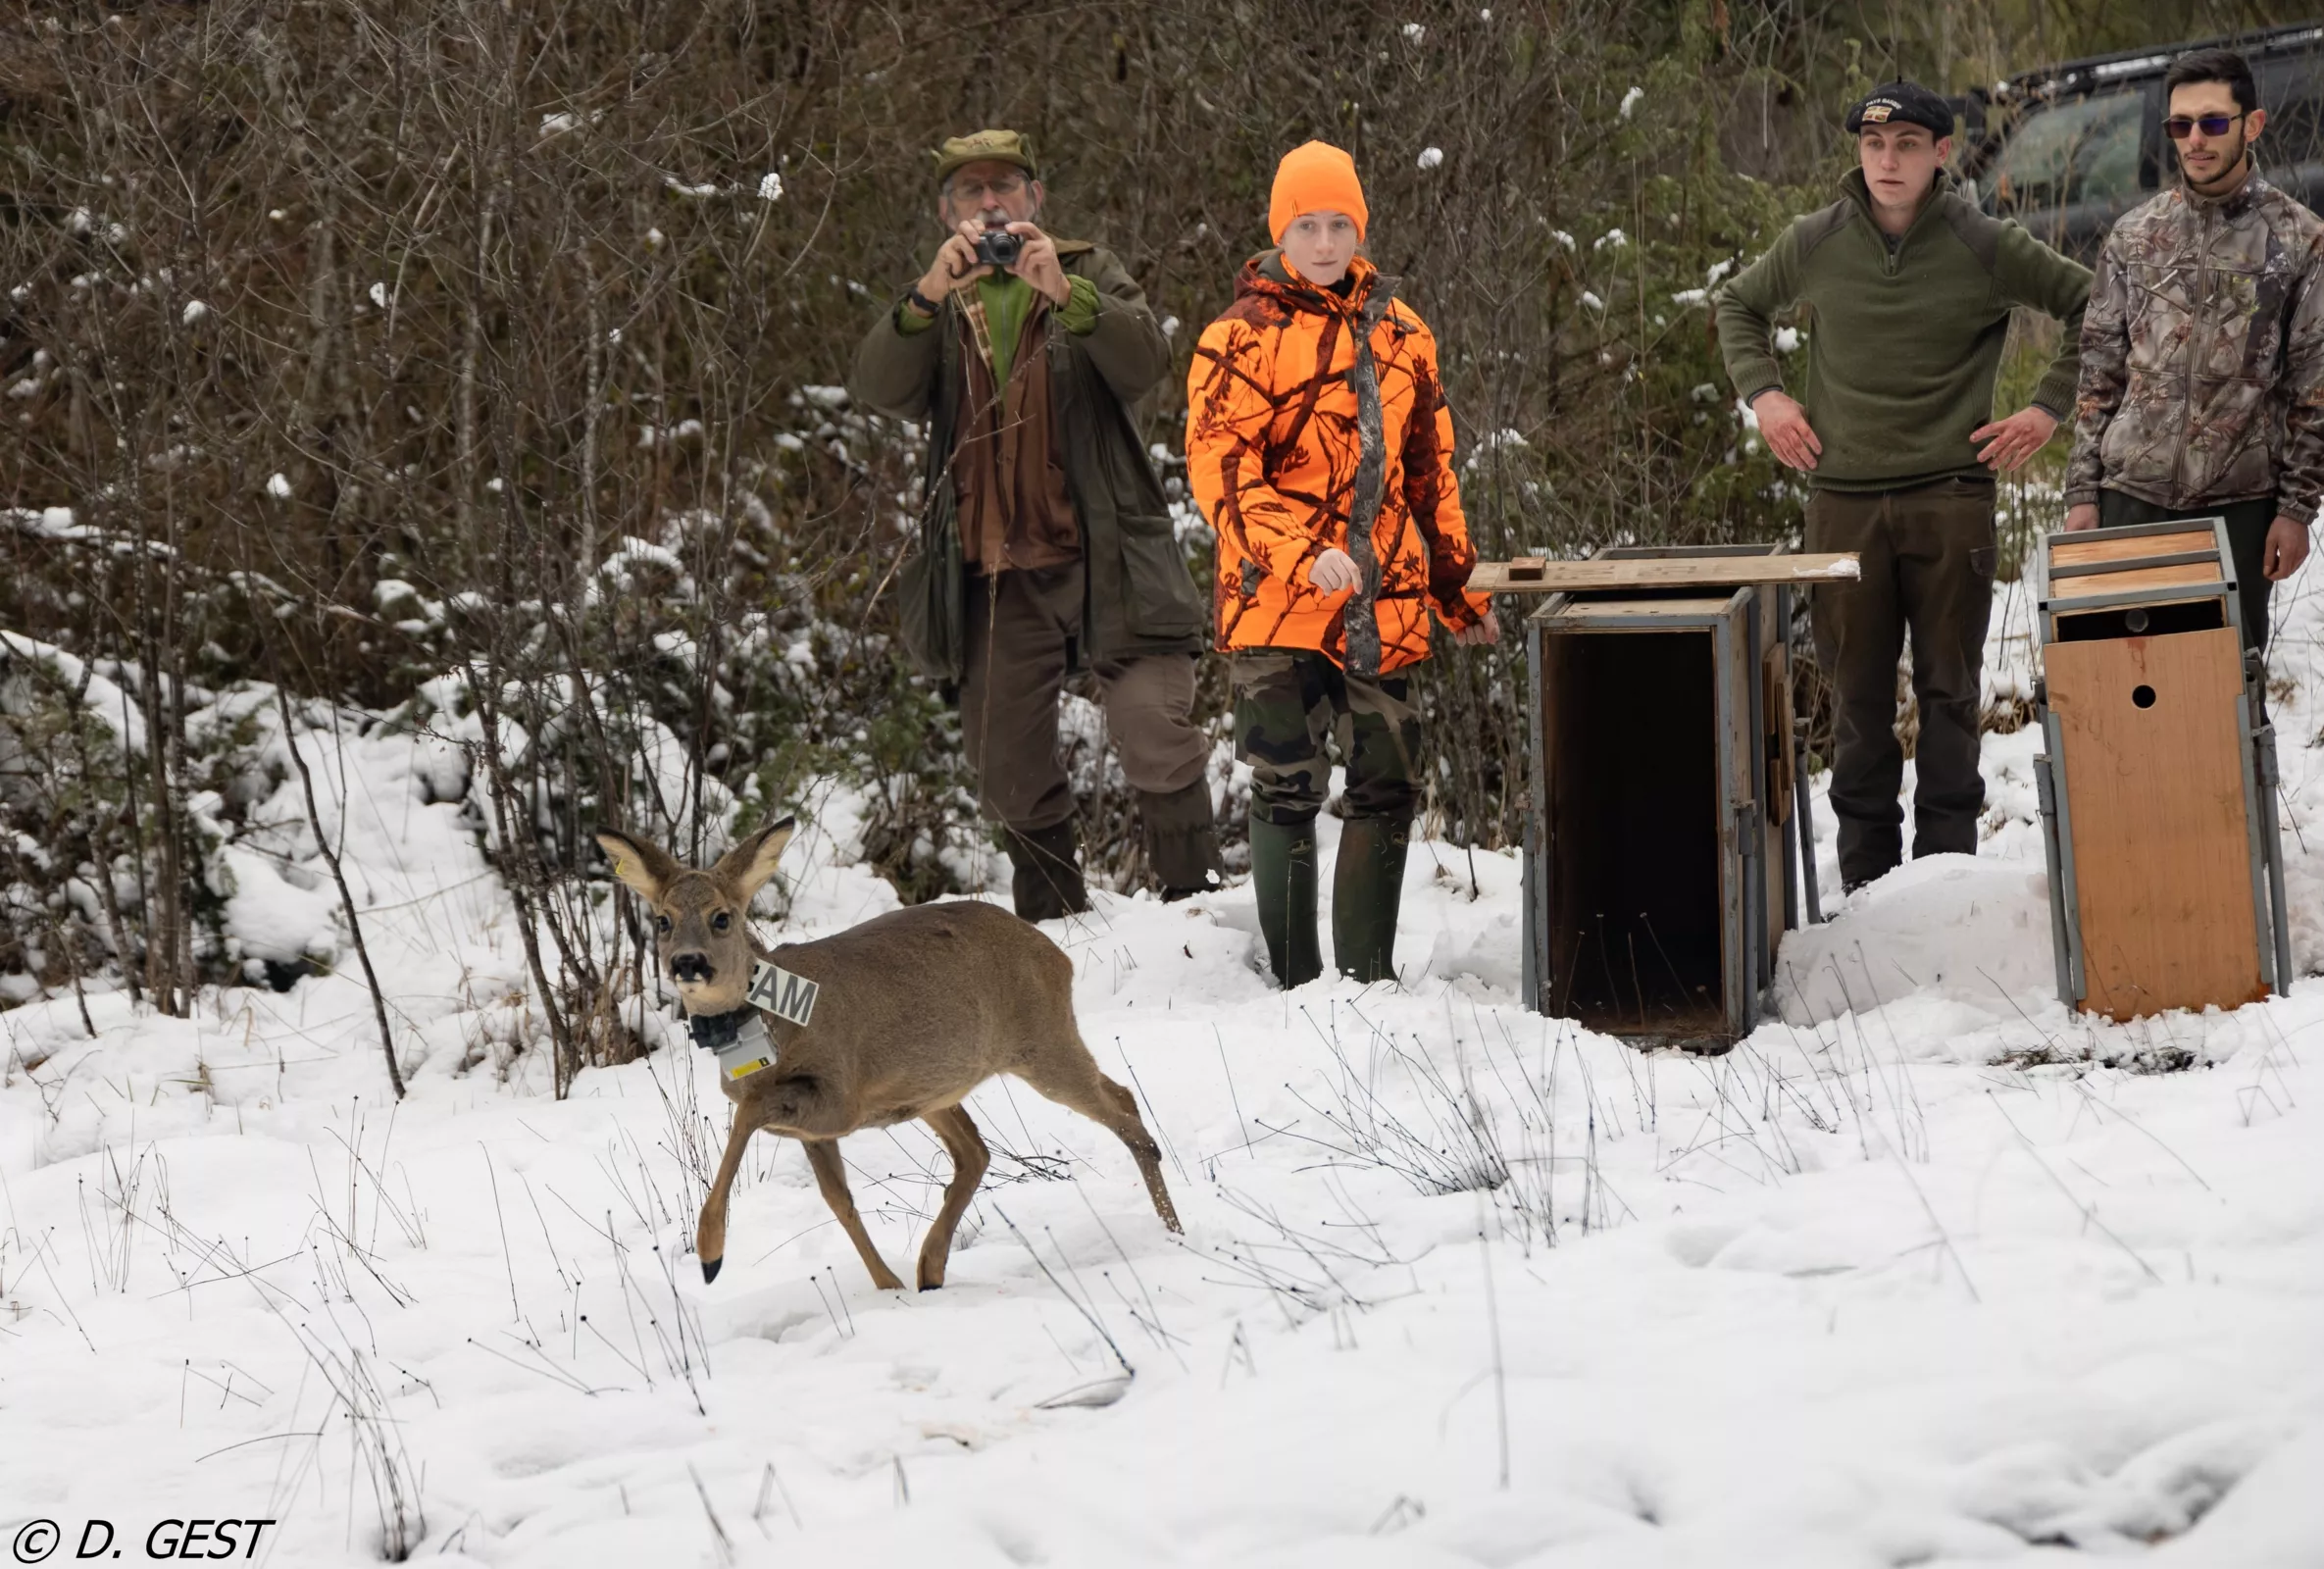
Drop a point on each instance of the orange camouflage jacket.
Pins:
(1307, 409)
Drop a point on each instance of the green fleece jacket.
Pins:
(1904, 341)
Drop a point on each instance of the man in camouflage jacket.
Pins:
(2202, 350)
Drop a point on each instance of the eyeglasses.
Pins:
(997, 186)
(2180, 126)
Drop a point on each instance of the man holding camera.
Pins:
(1912, 288)
(2202, 357)
(1046, 544)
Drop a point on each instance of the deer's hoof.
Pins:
(710, 1268)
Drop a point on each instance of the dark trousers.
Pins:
(1287, 702)
(2248, 523)
(1022, 626)
(1928, 572)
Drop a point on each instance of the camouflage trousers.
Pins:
(1289, 703)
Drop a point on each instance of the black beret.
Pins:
(1901, 103)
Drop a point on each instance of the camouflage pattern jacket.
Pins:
(2202, 355)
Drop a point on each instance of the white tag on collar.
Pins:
(782, 993)
(751, 1050)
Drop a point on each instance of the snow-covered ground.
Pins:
(1926, 1272)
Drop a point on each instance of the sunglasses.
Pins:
(2180, 126)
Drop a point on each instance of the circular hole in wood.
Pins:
(2143, 697)
(2136, 621)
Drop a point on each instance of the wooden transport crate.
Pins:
(2158, 784)
(1657, 880)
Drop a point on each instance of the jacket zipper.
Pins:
(2204, 333)
(1894, 257)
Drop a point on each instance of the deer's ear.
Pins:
(647, 869)
(745, 868)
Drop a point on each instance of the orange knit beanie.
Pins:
(1315, 177)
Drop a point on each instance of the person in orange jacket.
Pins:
(1320, 449)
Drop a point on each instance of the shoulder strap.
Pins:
(1362, 619)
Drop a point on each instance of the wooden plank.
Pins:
(1643, 608)
(2162, 857)
(1661, 572)
(2121, 583)
(2101, 545)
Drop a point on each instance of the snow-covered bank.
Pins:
(1926, 1271)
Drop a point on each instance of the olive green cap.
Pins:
(986, 146)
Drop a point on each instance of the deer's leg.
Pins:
(1071, 1078)
(831, 1176)
(709, 1232)
(958, 1131)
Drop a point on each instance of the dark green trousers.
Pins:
(1928, 555)
(2248, 523)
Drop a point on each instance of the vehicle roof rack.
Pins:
(2074, 76)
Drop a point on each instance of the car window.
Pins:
(2083, 151)
(2294, 133)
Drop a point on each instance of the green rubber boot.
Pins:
(1283, 877)
(1367, 887)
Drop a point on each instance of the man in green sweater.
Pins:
(1911, 288)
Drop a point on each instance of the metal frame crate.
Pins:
(1658, 872)
(2158, 780)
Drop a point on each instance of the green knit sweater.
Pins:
(1904, 341)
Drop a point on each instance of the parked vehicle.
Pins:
(2069, 148)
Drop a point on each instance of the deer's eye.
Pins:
(721, 921)
(662, 925)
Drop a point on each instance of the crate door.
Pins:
(1534, 975)
(2153, 777)
(1741, 867)
(1781, 896)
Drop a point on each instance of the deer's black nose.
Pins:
(690, 967)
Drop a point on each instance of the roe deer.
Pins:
(905, 1015)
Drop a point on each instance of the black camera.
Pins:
(998, 248)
